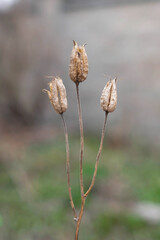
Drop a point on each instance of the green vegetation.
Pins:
(34, 201)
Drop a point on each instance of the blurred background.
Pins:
(123, 40)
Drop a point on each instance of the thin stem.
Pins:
(80, 218)
(81, 162)
(98, 156)
(68, 167)
(81, 140)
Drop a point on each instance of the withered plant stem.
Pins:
(81, 140)
(98, 156)
(68, 167)
(81, 162)
(93, 179)
(80, 217)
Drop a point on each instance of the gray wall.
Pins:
(122, 41)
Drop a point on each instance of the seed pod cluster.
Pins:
(57, 95)
(78, 68)
(108, 99)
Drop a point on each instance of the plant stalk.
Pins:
(98, 156)
(83, 196)
(81, 141)
(81, 162)
(80, 218)
(68, 167)
(93, 179)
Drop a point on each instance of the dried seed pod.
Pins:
(108, 99)
(113, 97)
(78, 68)
(57, 95)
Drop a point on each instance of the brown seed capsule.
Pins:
(108, 99)
(78, 68)
(57, 95)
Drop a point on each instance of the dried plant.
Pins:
(78, 71)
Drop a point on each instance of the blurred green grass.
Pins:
(125, 174)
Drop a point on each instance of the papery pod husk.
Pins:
(113, 97)
(104, 100)
(78, 68)
(57, 95)
(108, 98)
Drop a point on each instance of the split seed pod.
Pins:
(78, 68)
(108, 99)
(57, 95)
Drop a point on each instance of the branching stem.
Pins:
(93, 179)
(83, 196)
(80, 218)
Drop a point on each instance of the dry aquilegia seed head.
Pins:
(78, 68)
(57, 95)
(108, 99)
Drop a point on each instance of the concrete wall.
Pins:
(122, 41)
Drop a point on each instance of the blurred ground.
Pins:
(33, 190)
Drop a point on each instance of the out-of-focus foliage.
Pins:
(34, 199)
